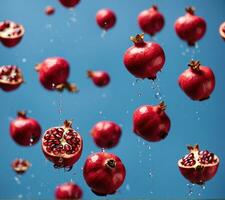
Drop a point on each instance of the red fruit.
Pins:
(104, 173)
(190, 27)
(49, 10)
(20, 166)
(99, 78)
(106, 134)
(62, 145)
(198, 166)
(11, 33)
(69, 3)
(222, 30)
(144, 59)
(10, 77)
(53, 74)
(68, 191)
(151, 21)
(151, 122)
(25, 131)
(198, 82)
(105, 18)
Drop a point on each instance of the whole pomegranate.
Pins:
(69, 3)
(198, 166)
(25, 131)
(104, 173)
(105, 18)
(68, 191)
(62, 145)
(99, 78)
(151, 21)
(10, 77)
(49, 10)
(11, 33)
(106, 134)
(151, 122)
(198, 82)
(20, 166)
(53, 74)
(144, 59)
(190, 27)
(222, 30)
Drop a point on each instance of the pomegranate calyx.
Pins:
(89, 73)
(194, 148)
(69, 86)
(195, 65)
(138, 39)
(22, 114)
(111, 163)
(37, 67)
(162, 106)
(155, 7)
(190, 10)
(68, 124)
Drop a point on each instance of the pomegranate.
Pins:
(99, 78)
(68, 191)
(105, 18)
(25, 131)
(104, 173)
(11, 33)
(20, 166)
(151, 21)
(49, 10)
(62, 145)
(53, 74)
(151, 122)
(10, 77)
(144, 59)
(198, 166)
(222, 30)
(190, 27)
(106, 134)
(69, 3)
(198, 82)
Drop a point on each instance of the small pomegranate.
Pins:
(99, 78)
(20, 166)
(222, 30)
(190, 27)
(105, 18)
(151, 21)
(49, 10)
(151, 122)
(11, 33)
(25, 131)
(198, 82)
(69, 3)
(62, 145)
(198, 166)
(68, 191)
(10, 77)
(106, 134)
(104, 173)
(53, 74)
(144, 59)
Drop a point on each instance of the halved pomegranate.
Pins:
(20, 166)
(198, 166)
(10, 77)
(11, 33)
(69, 3)
(222, 30)
(62, 145)
(99, 78)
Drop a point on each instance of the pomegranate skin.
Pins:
(144, 59)
(151, 21)
(25, 131)
(69, 3)
(106, 134)
(198, 82)
(110, 173)
(99, 78)
(68, 191)
(105, 18)
(190, 27)
(49, 10)
(151, 122)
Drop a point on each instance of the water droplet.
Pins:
(131, 100)
(139, 94)
(127, 187)
(103, 33)
(28, 187)
(127, 111)
(24, 60)
(39, 193)
(32, 175)
(51, 40)
(100, 112)
(20, 196)
(17, 180)
(104, 95)
(77, 127)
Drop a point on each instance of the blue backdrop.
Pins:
(151, 167)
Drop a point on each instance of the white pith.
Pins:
(4, 78)
(9, 30)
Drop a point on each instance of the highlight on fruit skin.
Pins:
(222, 30)
(20, 166)
(49, 10)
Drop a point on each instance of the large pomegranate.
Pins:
(25, 131)
(10, 77)
(68, 191)
(20, 166)
(106, 134)
(222, 30)
(151, 21)
(53, 74)
(99, 78)
(198, 166)
(104, 173)
(144, 59)
(11, 33)
(62, 145)
(198, 82)
(190, 27)
(151, 122)
(69, 3)
(105, 18)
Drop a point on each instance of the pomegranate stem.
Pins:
(155, 7)
(138, 39)
(190, 10)
(111, 163)
(68, 123)
(195, 65)
(162, 105)
(21, 113)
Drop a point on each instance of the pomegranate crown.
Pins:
(194, 64)
(68, 123)
(22, 113)
(139, 38)
(193, 148)
(155, 7)
(111, 163)
(162, 105)
(190, 10)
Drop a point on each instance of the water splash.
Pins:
(127, 187)
(103, 34)
(156, 88)
(16, 178)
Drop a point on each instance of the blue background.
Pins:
(73, 34)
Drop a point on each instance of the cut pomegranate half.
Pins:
(20, 166)
(222, 30)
